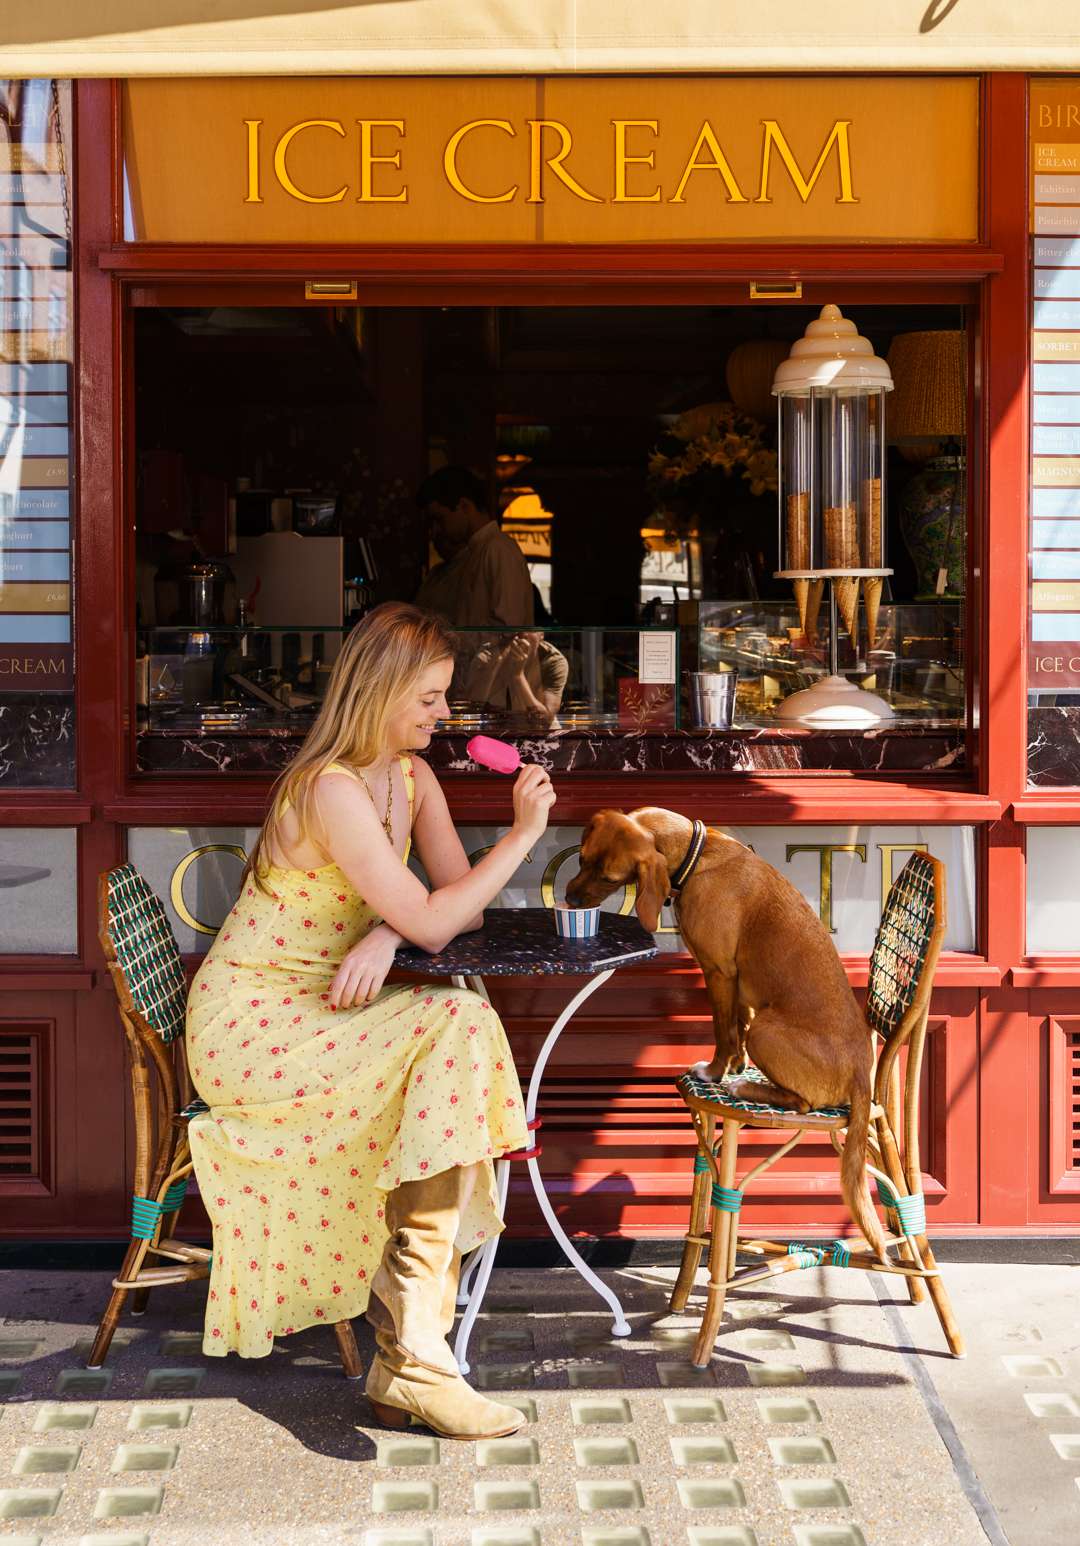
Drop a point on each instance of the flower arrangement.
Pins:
(691, 469)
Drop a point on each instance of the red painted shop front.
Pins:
(498, 331)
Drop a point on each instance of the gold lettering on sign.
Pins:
(253, 195)
(368, 160)
(707, 140)
(282, 172)
(450, 167)
(538, 160)
(825, 853)
(623, 159)
(887, 851)
(804, 187)
(176, 885)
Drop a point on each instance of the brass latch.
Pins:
(791, 290)
(330, 289)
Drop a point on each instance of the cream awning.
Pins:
(320, 37)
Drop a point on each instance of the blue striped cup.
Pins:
(576, 922)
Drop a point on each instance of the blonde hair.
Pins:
(379, 664)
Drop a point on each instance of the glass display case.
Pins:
(917, 664)
(581, 679)
(254, 681)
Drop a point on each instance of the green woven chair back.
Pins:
(146, 952)
(903, 939)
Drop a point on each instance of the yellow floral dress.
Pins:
(316, 1113)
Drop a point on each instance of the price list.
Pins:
(35, 389)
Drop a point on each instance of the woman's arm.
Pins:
(352, 836)
(435, 837)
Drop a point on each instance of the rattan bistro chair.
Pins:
(148, 975)
(897, 1005)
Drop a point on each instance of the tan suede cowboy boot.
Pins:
(399, 1389)
(422, 1217)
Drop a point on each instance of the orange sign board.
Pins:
(561, 159)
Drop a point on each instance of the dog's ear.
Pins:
(652, 890)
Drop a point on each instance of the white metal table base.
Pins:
(476, 1270)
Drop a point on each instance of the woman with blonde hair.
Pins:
(346, 1160)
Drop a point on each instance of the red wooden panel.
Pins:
(26, 1107)
(1063, 1107)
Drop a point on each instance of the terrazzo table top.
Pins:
(521, 941)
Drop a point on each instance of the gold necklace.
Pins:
(387, 820)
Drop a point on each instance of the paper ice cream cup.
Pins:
(576, 922)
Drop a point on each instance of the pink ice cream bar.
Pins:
(493, 754)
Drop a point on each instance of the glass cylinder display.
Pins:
(831, 433)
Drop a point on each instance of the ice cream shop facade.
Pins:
(247, 310)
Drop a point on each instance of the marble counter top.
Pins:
(914, 746)
(521, 942)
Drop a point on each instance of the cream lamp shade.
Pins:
(929, 400)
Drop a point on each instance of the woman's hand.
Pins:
(364, 968)
(533, 799)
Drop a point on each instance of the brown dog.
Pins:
(776, 984)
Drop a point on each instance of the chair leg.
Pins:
(939, 1297)
(139, 1300)
(350, 1353)
(111, 1319)
(699, 1218)
(890, 1155)
(722, 1225)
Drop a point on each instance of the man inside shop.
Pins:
(483, 580)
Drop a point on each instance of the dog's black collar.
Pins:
(690, 860)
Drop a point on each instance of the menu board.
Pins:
(35, 388)
(1054, 641)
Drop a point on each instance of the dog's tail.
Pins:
(853, 1167)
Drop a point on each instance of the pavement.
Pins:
(830, 1415)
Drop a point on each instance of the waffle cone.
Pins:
(872, 601)
(847, 601)
(802, 594)
(813, 608)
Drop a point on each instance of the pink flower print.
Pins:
(430, 999)
(308, 1249)
(361, 1272)
(320, 1312)
(247, 1073)
(453, 1100)
(310, 874)
(371, 1145)
(324, 954)
(380, 1084)
(237, 1233)
(341, 896)
(255, 1002)
(216, 1331)
(221, 1202)
(422, 1114)
(301, 1092)
(263, 1024)
(450, 1062)
(312, 1159)
(279, 941)
(453, 1011)
(281, 1299)
(324, 1191)
(293, 1183)
(303, 893)
(418, 1032)
(419, 1079)
(337, 1255)
(336, 1288)
(448, 1132)
(217, 1082)
(481, 1119)
(211, 1054)
(351, 1207)
(353, 1171)
(246, 1044)
(291, 1216)
(472, 1030)
(510, 1103)
(340, 927)
(325, 1223)
(279, 1073)
(279, 1152)
(499, 1067)
(423, 1164)
(279, 1266)
(308, 923)
(330, 1045)
(308, 1138)
(281, 907)
(253, 1265)
(296, 1019)
(485, 1091)
(231, 1025)
(266, 1233)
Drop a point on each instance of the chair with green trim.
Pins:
(148, 974)
(897, 1006)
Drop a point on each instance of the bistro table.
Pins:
(522, 942)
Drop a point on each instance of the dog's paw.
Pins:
(709, 1072)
